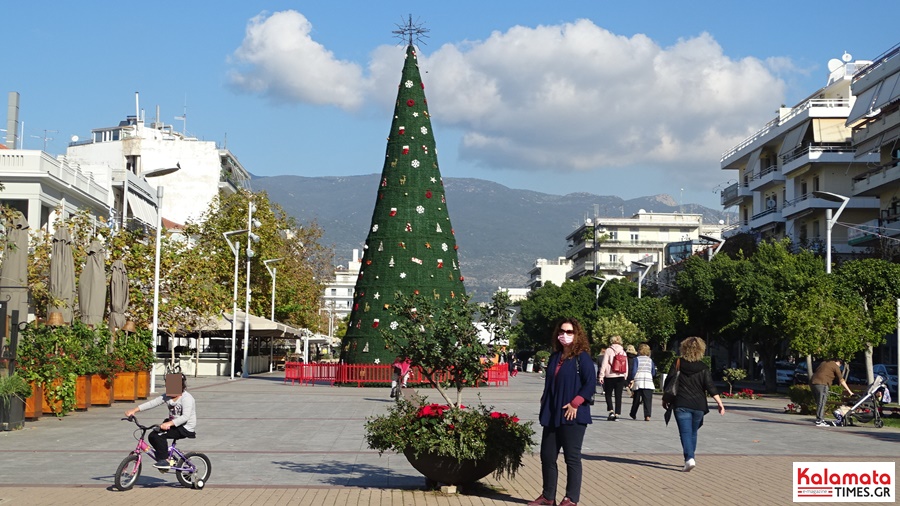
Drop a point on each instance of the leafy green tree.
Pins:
(877, 286)
(657, 317)
(549, 303)
(496, 316)
(820, 322)
(616, 325)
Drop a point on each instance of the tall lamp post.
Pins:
(830, 221)
(234, 249)
(251, 238)
(599, 288)
(642, 273)
(159, 198)
(272, 272)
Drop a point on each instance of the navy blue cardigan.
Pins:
(561, 388)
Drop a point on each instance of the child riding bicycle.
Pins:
(182, 418)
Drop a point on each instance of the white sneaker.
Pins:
(688, 465)
(823, 423)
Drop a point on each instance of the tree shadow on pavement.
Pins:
(348, 474)
(635, 462)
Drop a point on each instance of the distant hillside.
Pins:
(500, 231)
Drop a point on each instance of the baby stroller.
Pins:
(867, 408)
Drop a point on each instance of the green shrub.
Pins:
(802, 395)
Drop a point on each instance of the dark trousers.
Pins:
(569, 438)
(645, 396)
(158, 440)
(614, 386)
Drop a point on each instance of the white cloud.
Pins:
(572, 97)
(280, 60)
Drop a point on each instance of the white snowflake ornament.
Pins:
(408, 83)
(420, 209)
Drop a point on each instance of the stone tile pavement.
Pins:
(273, 443)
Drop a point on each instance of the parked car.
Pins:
(889, 373)
(801, 376)
(784, 372)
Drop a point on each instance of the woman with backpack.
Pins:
(613, 372)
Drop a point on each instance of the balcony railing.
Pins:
(816, 148)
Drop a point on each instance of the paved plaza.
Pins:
(274, 443)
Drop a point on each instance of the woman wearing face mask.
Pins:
(564, 415)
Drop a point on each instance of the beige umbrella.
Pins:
(62, 275)
(92, 285)
(118, 295)
(14, 271)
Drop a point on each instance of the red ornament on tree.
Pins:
(410, 102)
(428, 194)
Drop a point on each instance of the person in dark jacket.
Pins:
(690, 405)
(564, 415)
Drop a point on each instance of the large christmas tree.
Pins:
(410, 248)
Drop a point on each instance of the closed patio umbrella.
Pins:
(118, 295)
(92, 285)
(62, 275)
(14, 270)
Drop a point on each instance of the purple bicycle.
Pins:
(192, 468)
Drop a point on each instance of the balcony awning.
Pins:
(862, 106)
(793, 138)
(754, 162)
(142, 210)
(830, 130)
(888, 92)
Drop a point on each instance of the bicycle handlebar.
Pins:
(134, 419)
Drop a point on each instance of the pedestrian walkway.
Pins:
(273, 443)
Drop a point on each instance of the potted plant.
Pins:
(13, 392)
(447, 442)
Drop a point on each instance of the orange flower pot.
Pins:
(125, 387)
(34, 404)
(101, 390)
(83, 392)
(143, 384)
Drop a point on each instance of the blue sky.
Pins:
(626, 98)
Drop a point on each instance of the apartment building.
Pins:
(795, 172)
(875, 122)
(337, 297)
(548, 271)
(608, 247)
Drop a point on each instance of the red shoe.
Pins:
(567, 502)
(542, 501)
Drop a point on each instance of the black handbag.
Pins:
(670, 389)
(589, 401)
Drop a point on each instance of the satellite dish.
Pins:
(74, 138)
(834, 64)
(588, 222)
(847, 57)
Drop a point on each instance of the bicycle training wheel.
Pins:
(202, 470)
(128, 472)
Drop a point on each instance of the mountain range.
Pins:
(500, 231)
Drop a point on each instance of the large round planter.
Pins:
(101, 390)
(34, 404)
(143, 384)
(83, 392)
(125, 388)
(12, 413)
(448, 470)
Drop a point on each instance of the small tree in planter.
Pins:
(732, 376)
(447, 443)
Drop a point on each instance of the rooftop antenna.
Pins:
(406, 32)
(183, 117)
(46, 137)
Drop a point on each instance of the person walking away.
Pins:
(564, 414)
(181, 423)
(690, 404)
(640, 377)
(826, 374)
(612, 376)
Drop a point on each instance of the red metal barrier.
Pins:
(371, 373)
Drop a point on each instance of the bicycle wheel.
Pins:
(202, 470)
(128, 472)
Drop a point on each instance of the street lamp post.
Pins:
(234, 249)
(599, 288)
(272, 272)
(251, 238)
(642, 273)
(830, 221)
(159, 197)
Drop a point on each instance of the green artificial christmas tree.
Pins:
(410, 248)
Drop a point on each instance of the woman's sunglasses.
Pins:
(567, 332)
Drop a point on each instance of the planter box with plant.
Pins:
(447, 442)
(13, 392)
